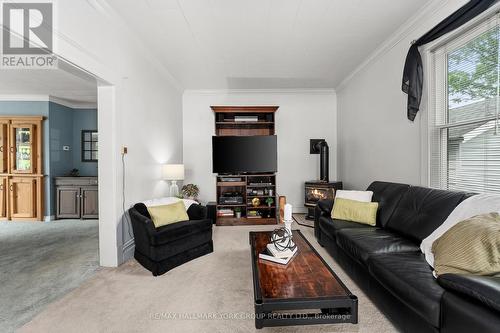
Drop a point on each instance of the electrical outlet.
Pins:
(124, 150)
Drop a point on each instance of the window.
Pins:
(89, 146)
(464, 127)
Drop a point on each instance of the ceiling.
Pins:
(51, 82)
(66, 85)
(248, 44)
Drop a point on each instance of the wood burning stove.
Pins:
(321, 189)
(315, 190)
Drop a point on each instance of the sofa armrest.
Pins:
(485, 289)
(325, 206)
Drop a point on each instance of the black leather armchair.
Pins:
(161, 249)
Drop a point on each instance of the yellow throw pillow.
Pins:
(167, 214)
(355, 211)
(469, 247)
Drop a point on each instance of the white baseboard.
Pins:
(128, 250)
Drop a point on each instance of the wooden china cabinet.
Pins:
(21, 174)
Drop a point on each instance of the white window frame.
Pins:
(434, 101)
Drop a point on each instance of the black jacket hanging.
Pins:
(413, 74)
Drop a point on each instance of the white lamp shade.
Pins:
(173, 172)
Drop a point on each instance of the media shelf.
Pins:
(236, 192)
(244, 120)
(242, 191)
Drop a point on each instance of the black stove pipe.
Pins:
(324, 161)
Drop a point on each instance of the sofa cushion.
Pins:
(387, 195)
(331, 226)
(176, 231)
(168, 214)
(355, 211)
(360, 244)
(421, 210)
(481, 256)
(409, 278)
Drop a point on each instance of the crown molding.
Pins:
(258, 91)
(24, 98)
(73, 104)
(427, 12)
(48, 98)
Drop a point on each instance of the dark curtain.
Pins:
(413, 72)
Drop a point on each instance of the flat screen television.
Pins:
(244, 154)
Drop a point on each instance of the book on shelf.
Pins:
(253, 214)
(225, 212)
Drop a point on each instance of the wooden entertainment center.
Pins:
(253, 189)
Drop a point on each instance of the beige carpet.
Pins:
(130, 299)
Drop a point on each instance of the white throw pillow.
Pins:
(475, 205)
(363, 196)
(168, 201)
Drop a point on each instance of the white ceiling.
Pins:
(71, 87)
(217, 44)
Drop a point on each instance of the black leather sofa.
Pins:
(387, 264)
(161, 249)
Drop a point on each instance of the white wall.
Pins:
(302, 115)
(376, 140)
(139, 107)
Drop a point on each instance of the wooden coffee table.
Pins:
(286, 294)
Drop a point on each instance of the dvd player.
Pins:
(223, 200)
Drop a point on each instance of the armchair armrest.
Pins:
(143, 229)
(485, 289)
(197, 212)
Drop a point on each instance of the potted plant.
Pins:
(269, 201)
(237, 212)
(190, 191)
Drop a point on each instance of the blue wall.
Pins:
(65, 130)
(62, 127)
(83, 119)
(61, 134)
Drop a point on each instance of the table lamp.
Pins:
(173, 172)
